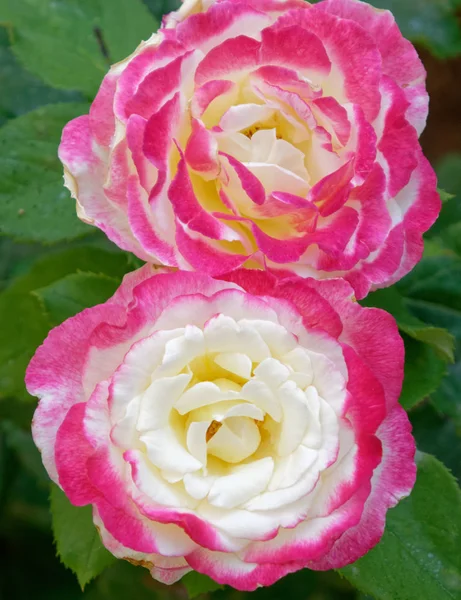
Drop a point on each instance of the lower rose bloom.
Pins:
(245, 427)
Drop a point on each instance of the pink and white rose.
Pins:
(245, 428)
(262, 133)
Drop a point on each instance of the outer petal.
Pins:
(85, 173)
(228, 569)
(392, 481)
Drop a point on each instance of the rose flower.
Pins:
(267, 134)
(246, 427)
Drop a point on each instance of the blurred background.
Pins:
(46, 45)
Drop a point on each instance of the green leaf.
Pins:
(25, 323)
(196, 584)
(446, 230)
(423, 373)
(418, 557)
(437, 435)
(22, 444)
(71, 43)
(444, 196)
(447, 398)
(433, 292)
(432, 23)
(122, 581)
(392, 301)
(34, 205)
(77, 540)
(70, 295)
(22, 92)
(161, 7)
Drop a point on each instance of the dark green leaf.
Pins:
(122, 581)
(447, 398)
(70, 295)
(24, 321)
(161, 7)
(34, 205)
(197, 584)
(438, 338)
(424, 371)
(22, 92)
(418, 557)
(433, 292)
(77, 539)
(71, 43)
(439, 436)
(432, 23)
(21, 443)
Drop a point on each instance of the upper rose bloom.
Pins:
(266, 134)
(244, 428)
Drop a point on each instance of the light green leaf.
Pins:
(432, 23)
(393, 302)
(25, 323)
(34, 205)
(68, 296)
(196, 584)
(77, 540)
(444, 196)
(71, 43)
(418, 557)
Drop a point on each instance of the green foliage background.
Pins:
(53, 55)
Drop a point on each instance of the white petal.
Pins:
(149, 481)
(172, 476)
(295, 418)
(313, 436)
(272, 371)
(329, 381)
(237, 439)
(290, 469)
(262, 143)
(124, 432)
(299, 361)
(288, 157)
(260, 394)
(196, 440)
(134, 375)
(197, 485)
(165, 452)
(245, 410)
(283, 496)
(242, 116)
(278, 339)
(158, 400)
(235, 144)
(275, 178)
(223, 334)
(180, 351)
(239, 523)
(235, 362)
(244, 483)
(204, 393)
